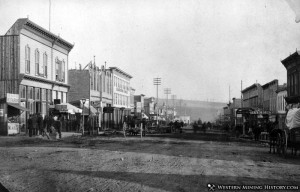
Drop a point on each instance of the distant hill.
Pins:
(206, 111)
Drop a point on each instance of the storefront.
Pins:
(10, 115)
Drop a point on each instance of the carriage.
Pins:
(289, 136)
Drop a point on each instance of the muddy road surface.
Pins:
(115, 163)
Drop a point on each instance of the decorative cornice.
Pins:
(24, 76)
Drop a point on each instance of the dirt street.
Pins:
(133, 164)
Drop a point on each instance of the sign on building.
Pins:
(12, 98)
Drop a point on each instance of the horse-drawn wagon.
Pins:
(289, 136)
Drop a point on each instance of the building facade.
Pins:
(139, 103)
(270, 98)
(292, 65)
(281, 105)
(34, 64)
(149, 106)
(253, 97)
(236, 103)
(121, 91)
(93, 84)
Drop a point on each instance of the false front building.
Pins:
(121, 96)
(291, 63)
(33, 64)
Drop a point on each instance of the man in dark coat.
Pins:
(30, 125)
(40, 124)
(58, 126)
(34, 124)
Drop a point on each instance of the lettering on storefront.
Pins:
(62, 108)
(121, 90)
(12, 98)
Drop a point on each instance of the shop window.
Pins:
(30, 92)
(37, 94)
(44, 108)
(43, 94)
(38, 106)
(49, 95)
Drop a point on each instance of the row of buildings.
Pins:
(35, 75)
(261, 101)
(268, 101)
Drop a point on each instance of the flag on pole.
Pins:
(295, 6)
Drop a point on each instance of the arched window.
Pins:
(27, 59)
(37, 62)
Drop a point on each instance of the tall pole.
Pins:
(167, 92)
(242, 107)
(157, 81)
(49, 15)
(229, 93)
(90, 87)
(173, 98)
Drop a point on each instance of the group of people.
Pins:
(37, 125)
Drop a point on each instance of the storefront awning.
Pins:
(17, 106)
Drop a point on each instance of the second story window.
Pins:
(59, 70)
(27, 59)
(37, 62)
(43, 67)
(63, 71)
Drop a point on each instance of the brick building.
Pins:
(93, 84)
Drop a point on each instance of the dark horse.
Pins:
(274, 136)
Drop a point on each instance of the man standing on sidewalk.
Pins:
(34, 124)
(40, 124)
(57, 125)
(30, 125)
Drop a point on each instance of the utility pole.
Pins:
(229, 93)
(49, 15)
(173, 98)
(157, 82)
(167, 92)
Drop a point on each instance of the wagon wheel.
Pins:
(284, 144)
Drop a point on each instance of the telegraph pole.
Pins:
(167, 92)
(157, 82)
(173, 98)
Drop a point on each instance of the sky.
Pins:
(201, 49)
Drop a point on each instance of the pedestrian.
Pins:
(45, 126)
(30, 125)
(34, 125)
(40, 124)
(57, 125)
(124, 128)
